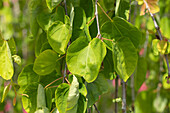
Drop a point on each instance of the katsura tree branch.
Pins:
(97, 20)
(96, 108)
(116, 94)
(123, 97)
(65, 68)
(160, 36)
(132, 76)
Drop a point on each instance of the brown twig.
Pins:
(53, 82)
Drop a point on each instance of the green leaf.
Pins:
(160, 103)
(6, 64)
(73, 96)
(61, 95)
(87, 5)
(39, 43)
(53, 3)
(164, 81)
(82, 104)
(125, 57)
(165, 27)
(109, 4)
(122, 8)
(46, 62)
(45, 18)
(29, 99)
(84, 58)
(162, 46)
(95, 89)
(17, 59)
(154, 46)
(59, 36)
(79, 18)
(45, 80)
(121, 28)
(48, 95)
(140, 73)
(12, 46)
(82, 89)
(34, 6)
(108, 66)
(41, 101)
(44, 110)
(27, 76)
(45, 46)
(144, 102)
(5, 92)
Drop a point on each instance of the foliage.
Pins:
(61, 56)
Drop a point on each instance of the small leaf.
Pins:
(41, 101)
(39, 43)
(17, 59)
(140, 73)
(44, 110)
(6, 64)
(30, 101)
(59, 36)
(5, 92)
(125, 57)
(154, 46)
(73, 96)
(95, 89)
(153, 5)
(48, 96)
(46, 62)
(12, 46)
(87, 58)
(27, 76)
(61, 95)
(162, 46)
(52, 3)
(121, 28)
(82, 104)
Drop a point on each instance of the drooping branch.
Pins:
(65, 68)
(116, 94)
(65, 5)
(96, 108)
(159, 34)
(123, 97)
(132, 92)
(97, 20)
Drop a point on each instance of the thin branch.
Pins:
(123, 97)
(104, 12)
(89, 110)
(67, 81)
(130, 11)
(53, 86)
(132, 92)
(60, 58)
(91, 20)
(160, 36)
(116, 94)
(53, 82)
(65, 71)
(97, 20)
(65, 5)
(96, 108)
(132, 76)
(107, 39)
